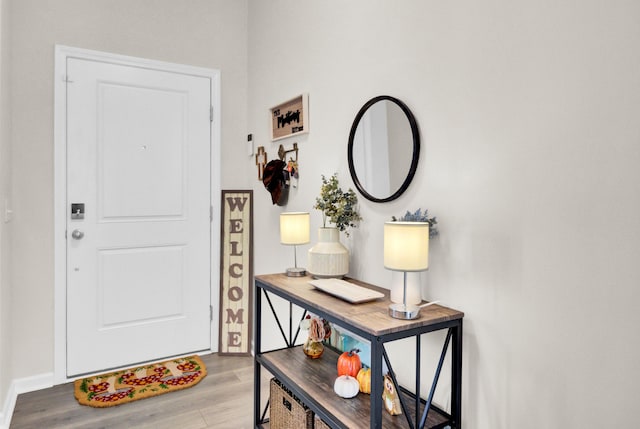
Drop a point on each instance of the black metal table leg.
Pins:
(456, 377)
(418, 377)
(257, 326)
(376, 384)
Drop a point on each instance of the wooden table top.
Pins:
(369, 317)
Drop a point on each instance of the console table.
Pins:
(311, 380)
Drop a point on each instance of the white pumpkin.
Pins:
(346, 386)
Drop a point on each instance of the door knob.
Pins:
(77, 234)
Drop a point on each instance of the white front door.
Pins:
(138, 224)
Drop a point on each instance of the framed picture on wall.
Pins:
(290, 118)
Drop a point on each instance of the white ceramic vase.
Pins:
(328, 258)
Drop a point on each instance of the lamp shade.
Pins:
(406, 246)
(294, 228)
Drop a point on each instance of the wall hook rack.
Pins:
(292, 164)
(282, 153)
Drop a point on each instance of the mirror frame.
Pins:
(414, 159)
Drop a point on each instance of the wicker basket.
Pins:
(286, 411)
(320, 424)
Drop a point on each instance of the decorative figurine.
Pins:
(390, 397)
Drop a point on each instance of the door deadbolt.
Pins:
(77, 234)
(77, 211)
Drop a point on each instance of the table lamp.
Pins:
(294, 230)
(406, 249)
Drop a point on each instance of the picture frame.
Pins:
(236, 273)
(290, 118)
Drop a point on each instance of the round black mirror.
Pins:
(384, 147)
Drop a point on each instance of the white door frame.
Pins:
(60, 186)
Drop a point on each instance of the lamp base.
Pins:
(296, 272)
(404, 312)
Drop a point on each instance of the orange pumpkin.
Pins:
(364, 379)
(349, 363)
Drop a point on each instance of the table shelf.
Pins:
(312, 380)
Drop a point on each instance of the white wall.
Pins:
(528, 114)
(5, 153)
(205, 33)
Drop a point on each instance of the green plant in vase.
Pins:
(337, 206)
(329, 258)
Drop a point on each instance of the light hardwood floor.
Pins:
(223, 399)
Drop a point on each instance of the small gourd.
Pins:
(364, 379)
(349, 363)
(346, 386)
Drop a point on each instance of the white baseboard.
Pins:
(9, 405)
(18, 386)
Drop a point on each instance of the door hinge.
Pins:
(66, 79)
(211, 313)
(210, 213)
(210, 113)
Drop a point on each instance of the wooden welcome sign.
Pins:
(236, 273)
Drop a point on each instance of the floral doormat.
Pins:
(115, 388)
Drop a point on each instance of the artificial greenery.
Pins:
(420, 216)
(337, 206)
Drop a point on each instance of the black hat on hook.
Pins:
(275, 180)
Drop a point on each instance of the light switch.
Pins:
(250, 144)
